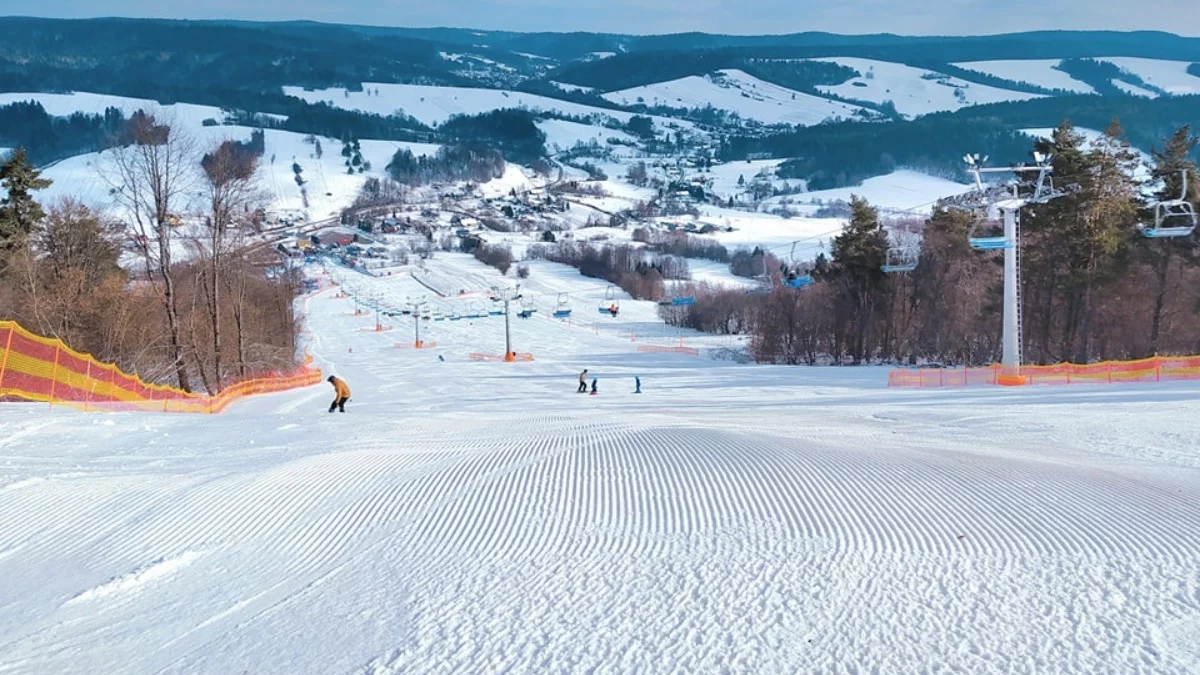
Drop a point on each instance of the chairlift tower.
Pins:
(1008, 201)
(507, 295)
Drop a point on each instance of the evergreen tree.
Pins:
(858, 254)
(20, 214)
(1170, 165)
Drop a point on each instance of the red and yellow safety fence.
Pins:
(35, 368)
(1153, 369)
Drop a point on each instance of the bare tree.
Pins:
(233, 202)
(150, 178)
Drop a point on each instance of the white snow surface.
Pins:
(1041, 72)
(434, 105)
(1134, 89)
(913, 94)
(563, 135)
(739, 92)
(904, 191)
(1170, 76)
(329, 187)
(481, 517)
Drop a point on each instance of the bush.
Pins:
(496, 256)
(522, 271)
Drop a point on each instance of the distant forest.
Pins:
(241, 68)
(845, 153)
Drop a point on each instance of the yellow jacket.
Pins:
(342, 389)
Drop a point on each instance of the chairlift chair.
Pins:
(497, 309)
(527, 309)
(475, 311)
(611, 305)
(562, 308)
(903, 259)
(793, 277)
(678, 301)
(1172, 217)
(987, 234)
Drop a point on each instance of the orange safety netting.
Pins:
(511, 357)
(36, 368)
(1153, 369)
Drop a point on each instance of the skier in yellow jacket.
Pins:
(341, 394)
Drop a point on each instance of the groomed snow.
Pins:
(912, 94)
(1040, 72)
(739, 92)
(481, 517)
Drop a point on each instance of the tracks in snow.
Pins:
(463, 503)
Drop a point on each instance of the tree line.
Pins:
(1094, 288)
(200, 309)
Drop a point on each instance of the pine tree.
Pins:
(20, 214)
(1170, 165)
(858, 254)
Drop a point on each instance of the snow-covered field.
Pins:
(914, 91)
(1041, 72)
(434, 105)
(1171, 76)
(481, 517)
(328, 185)
(739, 92)
(906, 191)
(563, 135)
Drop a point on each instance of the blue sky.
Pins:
(913, 17)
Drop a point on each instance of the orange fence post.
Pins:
(1157, 369)
(12, 328)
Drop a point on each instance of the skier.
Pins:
(612, 309)
(638, 381)
(594, 381)
(341, 394)
(582, 382)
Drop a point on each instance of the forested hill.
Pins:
(139, 56)
(840, 107)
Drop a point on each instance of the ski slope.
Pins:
(739, 92)
(914, 91)
(480, 517)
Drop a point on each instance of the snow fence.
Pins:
(36, 368)
(1153, 369)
